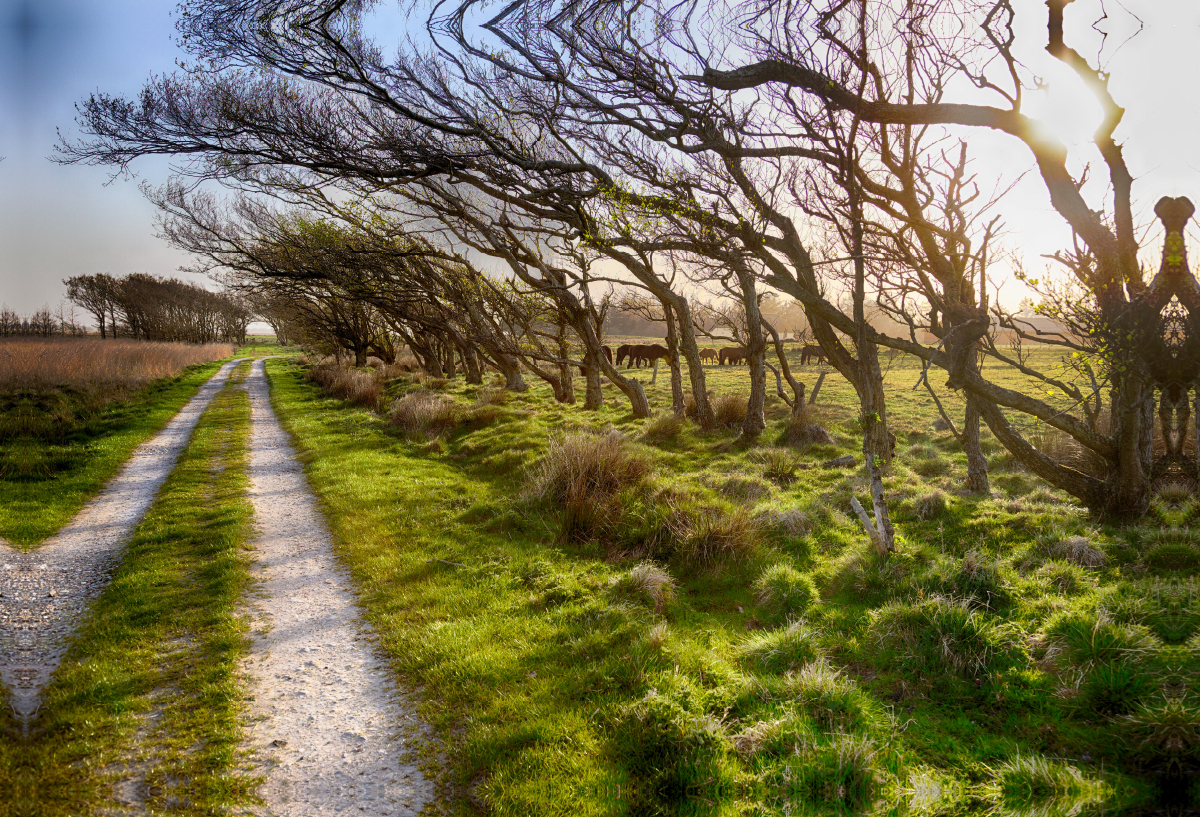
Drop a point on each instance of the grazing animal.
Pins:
(644, 353)
(733, 354)
(654, 352)
(623, 351)
(811, 352)
(708, 354)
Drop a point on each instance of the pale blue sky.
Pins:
(60, 221)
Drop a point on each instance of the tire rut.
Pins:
(45, 591)
(332, 730)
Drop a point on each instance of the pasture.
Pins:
(617, 616)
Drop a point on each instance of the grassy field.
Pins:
(149, 696)
(59, 446)
(610, 616)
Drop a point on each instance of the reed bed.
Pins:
(36, 364)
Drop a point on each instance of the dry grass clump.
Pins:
(802, 431)
(580, 465)
(662, 428)
(35, 364)
(423, 413)
(708, 536)
(1078, 550)
(729, 410)
(744, 489)
(649, 582)
(360, 388)
(792, 523)
(930, 505)
(492, 396)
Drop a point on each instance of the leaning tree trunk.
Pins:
(756, 348)
(977, 467)
(678, 406)
(691, 353)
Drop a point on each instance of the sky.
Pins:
(60, 221)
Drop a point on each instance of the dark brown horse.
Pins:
(811, 352)
(733, 354)
(607, 355)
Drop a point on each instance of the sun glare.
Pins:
(1066, 109)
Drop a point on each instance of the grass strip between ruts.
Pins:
(145, 706)
(91, 454)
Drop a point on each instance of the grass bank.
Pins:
(707, 631)
(59, 446)
(143, 711)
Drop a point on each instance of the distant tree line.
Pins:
(149, 307)
(44, 323)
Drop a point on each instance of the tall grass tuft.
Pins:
(784, 593)
(38, 364)
(424, 413)
(360, 388)
(583, 474)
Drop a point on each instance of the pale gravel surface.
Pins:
(44, 592)
(334, 733)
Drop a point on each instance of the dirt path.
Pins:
(43, 592)
(333, 730)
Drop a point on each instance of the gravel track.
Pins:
(43, 592)
(332, 730)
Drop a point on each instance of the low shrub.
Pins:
(940, 635)
(647, 582)
(780, 650)
(423, 413)
(782, 592)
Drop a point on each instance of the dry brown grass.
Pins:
(426, 413)
(34, 363)
(360, 388)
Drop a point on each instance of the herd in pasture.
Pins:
(638, 354)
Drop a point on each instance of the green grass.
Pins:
(58, 449)
(560, 691)
(150, 690)
(263, 346)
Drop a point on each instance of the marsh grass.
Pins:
(82, 363)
